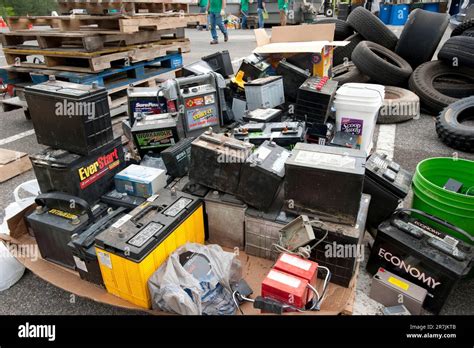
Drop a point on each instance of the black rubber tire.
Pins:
(343, 30)
(342, 52)
(399, 105)
(455, 89)
(372, 28)
(391, 70)
(346, 73)
(468, 32)
(461, 28)
(459, 49)
(449, 125)
(422, 80)
(421, 36)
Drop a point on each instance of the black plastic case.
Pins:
(293, 78)
(177, 158)
(284, 134)
(220, 62)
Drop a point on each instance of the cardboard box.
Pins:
(13, 163)
(140, 181)
(307, 38)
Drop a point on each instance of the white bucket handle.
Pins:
(370, 89)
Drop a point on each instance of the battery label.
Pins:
(104, 259)
(63, 214)
(284, 279)
(202, 118)
(209, 99)
(279, 164)
(119, 223)
(150, 140)
(331, 160)
(96, 170)
(145, 234)
(80, 264)
(399, 283)
(294, 261)
(262, 153)
(193, 102)
(177, 207)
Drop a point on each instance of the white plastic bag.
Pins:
(11, 270)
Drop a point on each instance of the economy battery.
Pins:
(220, 62)
(293, 78)
(136, 245)
(388, 184)
(70, 116)
(177, 158)
(140, 181)
(53, 227)
(87, 177)
(117, 200)
(83, 250)
(325, 181)
(226, 219)
(342, 248)
(314, 100)
(422, 254)
(284, 134)
(263, 115)
(262, 175)
(145, 100)
(265, 92)
(155, 133)
(216, 161)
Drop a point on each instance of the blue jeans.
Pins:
(244, 19)
(260, 17)
(216, 19)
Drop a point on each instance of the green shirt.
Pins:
(282, 5)
(244, 5)
(202, 3)
(216, 6)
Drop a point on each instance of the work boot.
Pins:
(226, 37)
(214, 42)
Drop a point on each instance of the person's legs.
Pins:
(244, 19)
(221, 26)
(212, 24)
(202, 9)
(260, 18)
(282, 17)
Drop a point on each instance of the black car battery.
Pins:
(216, 161)
(420, 253)
(388, 184)
(70, 116)
(325, 181)
(83, 250)
(314, 101)
(284, 134)
(293, 78)
(54, 227)
(185, 185)
(220, 62)
(262, 174)
(177, 158)
(87, 177)
(343, 139)
(342, 248)
(145, 100)
(155, 133)
(252, 67)
(117, 200)
(263, 115)
(196, 68)
(320, 133)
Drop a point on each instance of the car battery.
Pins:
(197, 68)
(319, 133)
(140, 181)
(216, 161)
(388, 184)
(239, 108)
(342, 249)
(293, 78)
(265, 92)
(177, 158)
(263, 115)
(185, 185)
(127, 129)
(226, 219)
(315, 98)
(325, 181)
(155, 133)
(220, 62)
(54, 227)
(421, 254)
(144, 101)
(136, 245)
(117, 200)
(284, 134)
(262, 174)
(70, 116)
(346, 140)
(83, 250)
(391, 290)
(286, 288)
(87, 177)
(262, 229)
(252, 67)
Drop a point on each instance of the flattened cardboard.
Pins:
(13, 163)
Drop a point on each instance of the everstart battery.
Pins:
(286, 288)
(265, 92)
(263, 115)
(145, 101)
(388, 184)
(421, 254)
(293, 78)
(201, 109)
(54, 227)
(87, 177)
(342, 249)
(155, 133)
(262, 174)
(314, 101)
(70, 116)
(220, 62)
(216, 161)
(325, 181)
(117, 200)
(177, 158)
(83, 250)
(136, 245)
(285, 134)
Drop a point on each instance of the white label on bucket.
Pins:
(104, 259)
(326, 159)
(284, 279)
(80, 264)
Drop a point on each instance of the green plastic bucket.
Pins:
(430, 196)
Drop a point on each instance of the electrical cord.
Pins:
(325, 287)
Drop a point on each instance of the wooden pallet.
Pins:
(99, 7)
(91, 62)
(122, 23)
(89, 41)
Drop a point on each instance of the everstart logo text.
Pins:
(91, 173)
